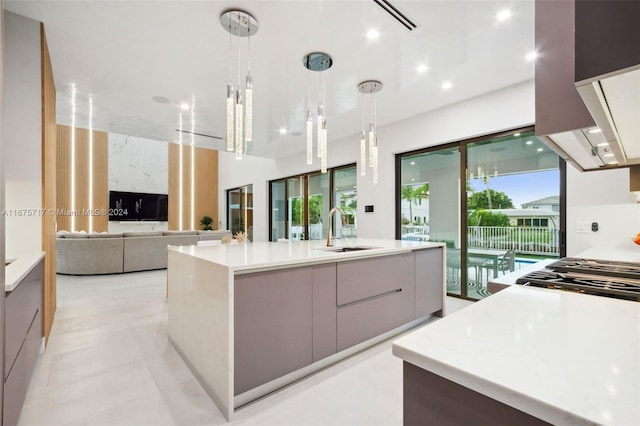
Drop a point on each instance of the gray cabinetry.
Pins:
(374, 296)
(273, 325)
(324, 311)
(23, 336)
(429, 278)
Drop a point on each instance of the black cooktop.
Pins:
(612, 279)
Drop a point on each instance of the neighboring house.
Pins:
(531, 217)
(551, 203)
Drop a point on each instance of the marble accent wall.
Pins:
(138, 165)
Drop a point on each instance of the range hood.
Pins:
(588, 81)
(614, 103)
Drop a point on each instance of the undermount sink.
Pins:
(347, 249)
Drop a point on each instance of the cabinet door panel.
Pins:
(429, 281)
(324, 311)
(360, 279)
(273, 325)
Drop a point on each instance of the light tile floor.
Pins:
(108, 362)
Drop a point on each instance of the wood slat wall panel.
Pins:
(82, 166)
(204, 182)
(49, 187)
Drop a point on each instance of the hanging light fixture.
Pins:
(317, 61)
(239, 106)
(370, 88)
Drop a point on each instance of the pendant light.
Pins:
(239, 106)
(319, 62)
(370, 137)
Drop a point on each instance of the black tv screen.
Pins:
(138, 206)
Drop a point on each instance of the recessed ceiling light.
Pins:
(413, 180)
(594, 131)
(603, 144)
(422, 68)
(531, 56)
(516, 134)
(447, 85)
(161, 99)
(413, 163)
(529, 142)
(612, 162)
(373, 34)
(283, 130)
(608, 155)
(539, 149)
(503, 15)
(184, 106)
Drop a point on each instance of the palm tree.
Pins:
(409, 193)
(414, 194)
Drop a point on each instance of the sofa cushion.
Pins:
(179, 232)
(76, 235)
(143, 234)
(106, 235)
(214, 232)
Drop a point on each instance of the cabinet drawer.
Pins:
(21, 306)
(361, 279)
(362, 321)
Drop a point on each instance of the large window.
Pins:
(503, 190)
(300, 204)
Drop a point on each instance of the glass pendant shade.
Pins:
(239, 133)
(248, 109)
(363, 154)
(375, 163)
(230, 113)
(309, 138)
(372, 138)
(320, 121)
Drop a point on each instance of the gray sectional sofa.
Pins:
(79, 253)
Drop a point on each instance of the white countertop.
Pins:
(19, 268)
(563, 357)
(264, 255)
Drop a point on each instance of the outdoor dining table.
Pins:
(487, 254)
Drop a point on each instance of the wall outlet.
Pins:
(583, 226)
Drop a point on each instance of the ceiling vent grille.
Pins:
(199, 134)
(396, 14)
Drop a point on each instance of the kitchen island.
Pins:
(527, 355)
(251, 318)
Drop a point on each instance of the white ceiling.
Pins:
(122, 53)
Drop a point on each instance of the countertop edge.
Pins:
(17, 270)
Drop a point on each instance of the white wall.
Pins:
(504, 109)
(138, 165)
(603, 197)
(22, 138)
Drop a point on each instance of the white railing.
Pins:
(531, 240)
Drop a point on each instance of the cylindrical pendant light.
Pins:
(319, 62)
(239, 106)
(370, 138)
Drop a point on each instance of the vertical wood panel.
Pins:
(100, 180)
(81, 166)
(49, 188)
(205, 186)
(174, 178)
(63, 177)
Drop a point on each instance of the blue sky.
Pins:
(524, 187)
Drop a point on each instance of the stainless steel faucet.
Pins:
(344, 223)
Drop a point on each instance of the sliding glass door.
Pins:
(240, 210)
(502, 190)
(430, 202)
